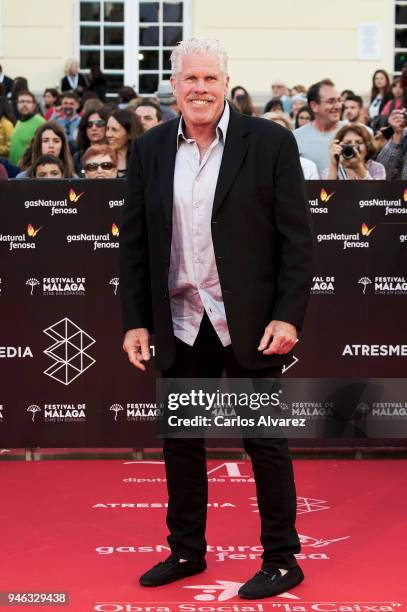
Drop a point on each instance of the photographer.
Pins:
(393, 155)
(351, 154)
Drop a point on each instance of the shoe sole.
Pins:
(288, 585)
(163, 582)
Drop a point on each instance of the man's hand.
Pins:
(284, 338)
(136, 344)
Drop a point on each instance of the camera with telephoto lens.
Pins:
(349, 151)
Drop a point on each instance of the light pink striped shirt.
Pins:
(193, 280)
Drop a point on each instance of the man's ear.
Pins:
(313, 106)
(227, 83)
(173, 82)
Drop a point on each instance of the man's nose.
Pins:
(200, 85)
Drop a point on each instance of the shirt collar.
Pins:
(221, 128)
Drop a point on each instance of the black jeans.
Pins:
(185, 464)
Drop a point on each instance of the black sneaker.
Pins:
(171, 569)
(272, 582)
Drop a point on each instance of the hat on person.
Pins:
(300, 97)
(164, 93)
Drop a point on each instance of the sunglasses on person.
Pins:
(97, 123)
(93, 166)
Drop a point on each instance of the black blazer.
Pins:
(82, 85)
(260, 232)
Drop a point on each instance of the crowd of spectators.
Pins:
(81, 131)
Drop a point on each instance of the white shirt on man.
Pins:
(193, 280)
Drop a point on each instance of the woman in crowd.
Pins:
(279, 117)
(6, 127)
(238, 90)
(380, 92)
(351, 154)
(242, 100)
(243, 103)
(299, 89)
(52, 103)
(100, 162)
(50, 139)
(304, 116)
(73, 81)
(297, 103)
(91, 131)
(123, 127)
(125, 94)
(397, 100)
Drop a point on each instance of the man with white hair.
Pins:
(215, 259)
(279, 91)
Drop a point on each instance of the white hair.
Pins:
(69, 63)
(203, 46)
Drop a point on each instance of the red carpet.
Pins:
(90, 528)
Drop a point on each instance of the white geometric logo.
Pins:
(68, 351)
(224, 590)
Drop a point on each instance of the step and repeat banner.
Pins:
(66, 382)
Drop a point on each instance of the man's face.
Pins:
(25, 105)
(278, 90)
(48, 171)
(328, 110)
(69, 107)
(148, 116)
(351, 110)
(200, 89)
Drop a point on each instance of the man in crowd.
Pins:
(149, 113)
(393, 155)
(314, 138)
(70, 120)
(47, 167)
(279, 91)
(195, 194)
(352, 111)
(166, 101)
(26, 126)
